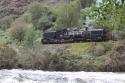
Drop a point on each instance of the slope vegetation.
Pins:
(13, 7)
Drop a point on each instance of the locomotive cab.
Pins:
(98, 34)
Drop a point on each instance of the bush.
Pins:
(6, 22)
(35, 58)
(65, 62)
(2, 41)
(42, 17)
(116, 61)
(60, 60)
(4, 38)
(68, 15)
(99, 49)
(17, 30)
(31, 36)
(26, 17)
(8, 58)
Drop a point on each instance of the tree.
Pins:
(42, 17)
(110, 13)
(68, 15)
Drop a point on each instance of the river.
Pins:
(37, 76)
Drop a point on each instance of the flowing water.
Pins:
(30, 76)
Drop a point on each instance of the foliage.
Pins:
(31, 35)
(109, 58)
(26, 17)
(85, 12)
(2, 41)
(99, 49)
(116, 62)
(68, 15)
(34, 58)
(60, 60)
(6, 22)
(8, 58)
(42, 17)
(110, 13)
(4, 38)
(17, 30)
(67, 62)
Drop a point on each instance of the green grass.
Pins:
(84, 48)
(79, 48)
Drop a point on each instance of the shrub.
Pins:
(6, 22)
(99, 49)
(35, 58)
(26, 17)
(64, 61)
(2, 41)
(17, 30)
(68, 15)
(116, 61)
(31, 36)
(60, 60)
(44, 23)
(99, 63)
(8, 58)
(4, 38)
(42, 17)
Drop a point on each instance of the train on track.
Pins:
(75, 35)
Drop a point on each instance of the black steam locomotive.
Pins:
(74, 35)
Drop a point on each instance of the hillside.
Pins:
(17, 7)
(13, 7)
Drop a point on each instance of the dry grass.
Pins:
(8, 58)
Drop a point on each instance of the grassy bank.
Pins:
(92, 56)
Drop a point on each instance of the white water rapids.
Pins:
(30, 76)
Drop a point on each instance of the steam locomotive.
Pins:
(74, 35)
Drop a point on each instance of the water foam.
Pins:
(30, 76)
